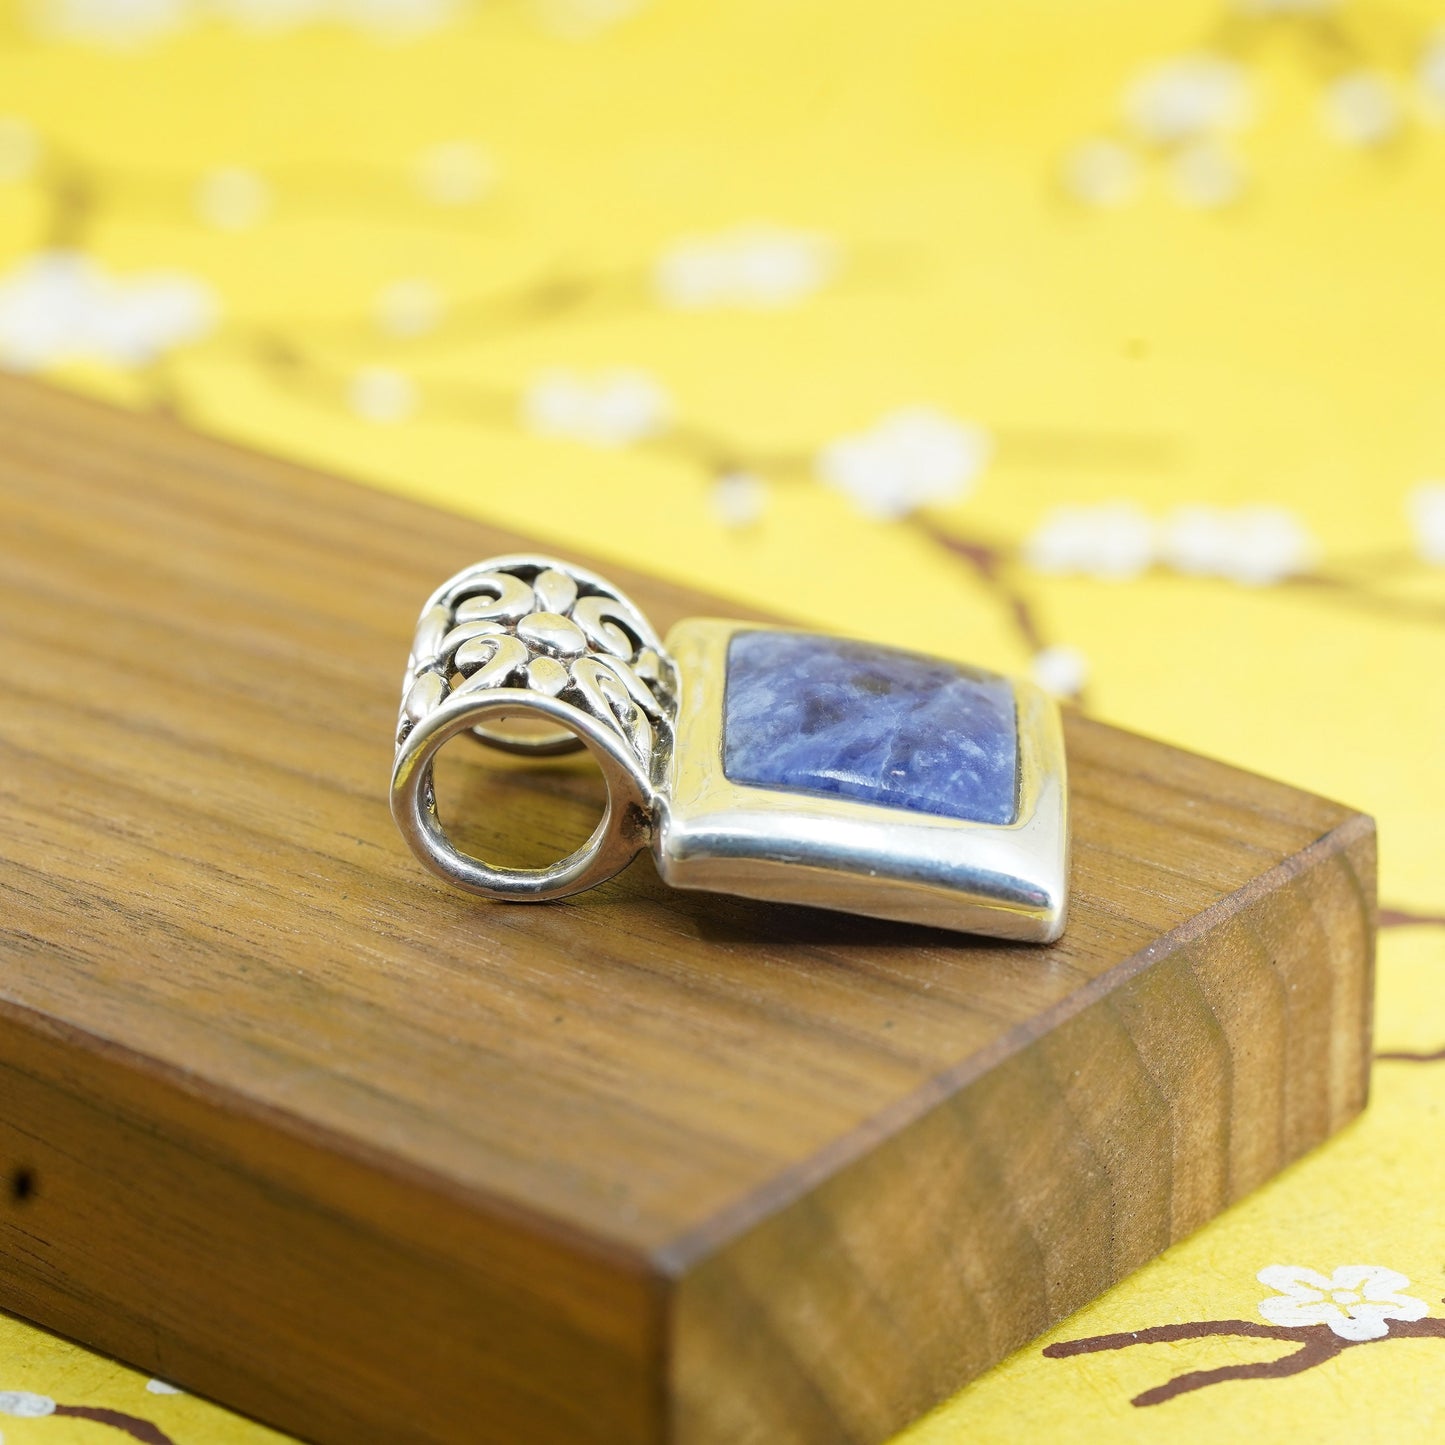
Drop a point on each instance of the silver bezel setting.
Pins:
(1005, 880)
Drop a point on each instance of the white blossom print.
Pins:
(583, 19)
(1431, 74)
(750, 266)
(1357, 1301)
(1113, 541)
(23, 1405)
(455, 173)
(1178, 117)
(383, 395)
(232, 198)
(59, 306)
(1102, 172)
(1187, 97)
(910, 458)
(1362, 108)
(608, 409)
(1060, 669)
(20, 150)
(739, 499)
(117, 24)
(1426, 508)
(28, 1405)
(1314, 1317)
(132, 24)
(1251, 545)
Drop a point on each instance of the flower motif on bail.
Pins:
(911, 458)
(1357, 1301)
(549, 630)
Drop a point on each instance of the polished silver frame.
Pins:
(1006, 880)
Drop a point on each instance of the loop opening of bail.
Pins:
(623, 829)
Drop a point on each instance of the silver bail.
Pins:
(531, 655)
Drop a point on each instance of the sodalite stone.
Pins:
(825, 715)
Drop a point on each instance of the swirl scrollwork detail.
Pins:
(535, 625)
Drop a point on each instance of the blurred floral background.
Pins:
(1098, 339)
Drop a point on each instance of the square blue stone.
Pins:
(857, 720)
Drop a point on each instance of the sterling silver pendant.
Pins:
(761, 761)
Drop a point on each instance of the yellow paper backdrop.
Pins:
(1147, 361)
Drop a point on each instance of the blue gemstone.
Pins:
(852, 719)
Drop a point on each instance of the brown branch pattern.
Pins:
(138, 1429)
(1405, 918)
(1408, 1056)
(1315, 1345)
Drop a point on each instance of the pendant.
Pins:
(763, 761)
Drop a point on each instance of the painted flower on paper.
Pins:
(1206, 175)
(383, 395)
(410, 306)
(1385, 74)
(1431, 72)
(127, 24)
(1363, 108)
(582, 19)
(1187, 97)
(122, 24)
(750, 266)
(1251, 545)
(607, 409)
(231, 198)
(58, 306)
(268, 17)
(1060, 669)
(1284, 7)
(739, 499)
(1357, 1301)
(908, 459)
(1113, 541)
(1426, 507)
(23, 1405)
(19, 149)
(455, 173)
(1102, 172)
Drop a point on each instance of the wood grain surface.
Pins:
(284, 1120)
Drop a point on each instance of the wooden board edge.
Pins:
(882, 1287)
(203, 1246)
(680, 1254)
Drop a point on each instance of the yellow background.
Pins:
(1286, 349)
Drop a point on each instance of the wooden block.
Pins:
(284, 1120)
